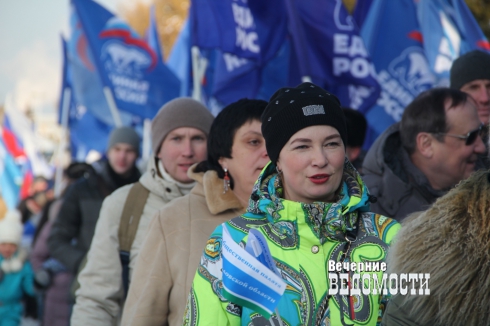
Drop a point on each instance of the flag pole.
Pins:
(145, 155)
(199, 66)
(64, 135)
(112, 107)
(278, 318)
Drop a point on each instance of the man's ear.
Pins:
(425, 142)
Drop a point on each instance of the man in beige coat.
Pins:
(179, 135)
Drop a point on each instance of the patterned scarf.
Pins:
(326, 220)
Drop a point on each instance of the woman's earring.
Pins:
(226, 181)
(278, 171)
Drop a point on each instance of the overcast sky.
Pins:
(30, 53)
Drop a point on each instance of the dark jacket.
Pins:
(74, 227)
(56, 304)
(390, 176)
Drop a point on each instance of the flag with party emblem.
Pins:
(139, 82)
(249, 29)
(248, 282)
(402, 67)
(449, 30)
(87, 131)
(331, 52)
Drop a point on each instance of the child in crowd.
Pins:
(16, 276)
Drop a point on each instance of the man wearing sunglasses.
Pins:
(436, 145)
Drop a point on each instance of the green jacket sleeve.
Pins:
(205, 305)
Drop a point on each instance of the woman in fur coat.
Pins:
(451, 242)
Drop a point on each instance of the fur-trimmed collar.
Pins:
(216, 200)
(455, 252)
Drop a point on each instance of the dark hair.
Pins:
(223, 129)
(77, 170)
(356, 125)
(427, 113)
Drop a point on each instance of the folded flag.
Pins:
(248, 282)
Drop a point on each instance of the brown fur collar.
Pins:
(451, 241)
(217, 201)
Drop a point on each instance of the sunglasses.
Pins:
(469, 138)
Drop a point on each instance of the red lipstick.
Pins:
(319, 178)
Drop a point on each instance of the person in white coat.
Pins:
(179, 140)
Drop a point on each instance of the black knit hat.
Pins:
(469, 67)
(292, 109)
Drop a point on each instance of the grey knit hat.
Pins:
(180, 112)
(125, 135)
(470, 66)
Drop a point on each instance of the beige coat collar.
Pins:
(212, 189)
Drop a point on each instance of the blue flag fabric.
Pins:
(250, 29)
(339, 62)
(125, 62)
(179, 60)
(10, 178)
(236, 78)
(402, 68)
(87, 85)
(152, 36)
(248, 282)
(471, 33)
(360, 11)
(449, 30)
(257, 247)
(87, 132)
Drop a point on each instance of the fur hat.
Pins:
(291, 109)
(470, 66)
(124, 135)
(11, 228)
(180, 112)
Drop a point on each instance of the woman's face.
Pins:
(312, 164)
(248, 158)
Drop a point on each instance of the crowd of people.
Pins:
(121, 247)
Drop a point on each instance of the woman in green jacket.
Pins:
(312, 207)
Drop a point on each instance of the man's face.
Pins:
(122, 158)
(453, 160)
(180, 149)
(479, 90)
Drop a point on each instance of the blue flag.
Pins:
(152, 36)
(247, 281)
(360, 11)
(449, 30)
(179, 60)
(251, 29)
(236, 78)
(87, 85)
(87, 132)
(402, 68)
(126, 63)
(10, 178)
(330, 51)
